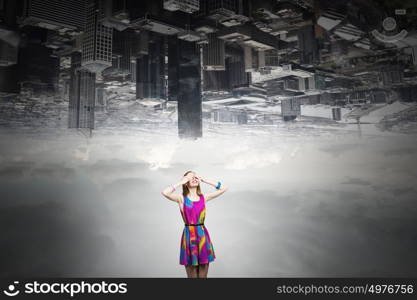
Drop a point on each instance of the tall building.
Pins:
(235, 68)
(214, 54)
(143, 86)
(140, 43)
(151, 69)
(8, 12)
(189, 91)
(216, 81)
(115, 14)
(185, 86)
(227, 12)
(290, 108)
(233, 76)
(38, 68)
(139, 47)
(8, 53)
(236, 72)
(100, 103)
(248, 58)
(157, 53)
(9, 79)
(133, 69)
(308, 46)
(97, 40)
(222, 5)
(250, 36)
(68, 15)
(188, 6)
(172, 43)
(122, 54)
(82, 96)
(391, 74)
(271, 58)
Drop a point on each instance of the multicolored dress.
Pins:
(196, 246)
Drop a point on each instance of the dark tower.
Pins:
(82, 95)
(185, 86)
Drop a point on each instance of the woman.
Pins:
(196, 251)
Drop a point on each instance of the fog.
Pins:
(303, 201)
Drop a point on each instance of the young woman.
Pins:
(196, 250)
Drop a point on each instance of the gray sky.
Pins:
(309, 202)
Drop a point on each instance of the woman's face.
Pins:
(194, 182)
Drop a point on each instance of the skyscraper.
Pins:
(68, 15)
(214, 53)
(188, 6)
(82, 95)
(150, 70)
(307, 44)
(185, 86)
(97, 40)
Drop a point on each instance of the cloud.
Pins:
(338, 149)
(356, 181)
(401, 151)
(296, 206)
(53, 229)
(329, 234)
(14, 169)
(252, 159)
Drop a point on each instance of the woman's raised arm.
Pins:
(216, 193)
(168, 192)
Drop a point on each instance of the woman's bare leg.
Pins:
(192, 271)
(203, 270)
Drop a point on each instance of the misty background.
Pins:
(302, 201)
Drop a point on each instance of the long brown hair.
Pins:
(186, 190)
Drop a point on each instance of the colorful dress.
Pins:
(196, 246)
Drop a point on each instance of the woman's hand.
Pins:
(200, 178)
(186, 178)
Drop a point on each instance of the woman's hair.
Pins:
(186, 190)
